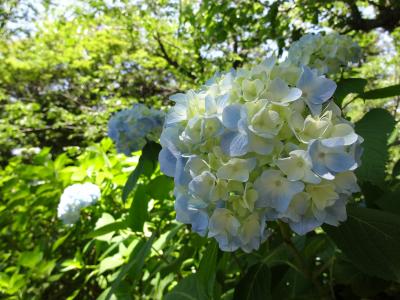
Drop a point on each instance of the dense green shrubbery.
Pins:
(60, 83)
(135, 249)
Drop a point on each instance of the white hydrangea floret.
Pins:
(74, 198)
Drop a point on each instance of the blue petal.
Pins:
(167, 162)
(281, 203)
(339, 162)
(323, 91)
(314, 108)
(181, 177)
(179, 98)
(235, 144)
(336, 213)
(318, 166)
(306, 77)
(199, 221)
(305, 225)
(181, 208)
(231, 116)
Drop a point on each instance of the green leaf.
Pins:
(110, 263)
(60, 241)
(132, 179)
(386, 92)
(256, 284)
(396, 169)
(208, 267)
(160, 187)
(362, 285)
(122, 292)
(189, 288)
(375, 127)
(30, 259)
(390, 201)
(146, 165)
(150, 155)
(138, 210)
(291, 285)
(371, 240)
(102, 233)
(348, 86)
(134, 266)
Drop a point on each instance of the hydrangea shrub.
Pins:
(261, 144)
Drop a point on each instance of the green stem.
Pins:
(302, 265)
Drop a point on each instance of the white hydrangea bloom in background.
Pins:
(261, 144)
(74, 198)
(326, 53)
(130, 129)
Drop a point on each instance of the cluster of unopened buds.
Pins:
(261, 144)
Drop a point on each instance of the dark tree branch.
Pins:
(174, 63)
(388, 17)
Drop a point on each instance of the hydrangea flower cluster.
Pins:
(74, 198)
(259, 144)
(326, 53)
(130, 129)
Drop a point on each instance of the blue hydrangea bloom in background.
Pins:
(264, 143)
(130, 129)
(74, 198)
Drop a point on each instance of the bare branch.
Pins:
(174, 63)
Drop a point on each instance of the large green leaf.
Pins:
(160, 187)
(111, 262)
(138, 210)
(362, 285)
(189, 288)
(105, 230)
(132, 179)
(146, 165)
(386, 92)
(292, 285)
(208, 267)
(31, 259)
(348, 86)
(375, 127)
(134, 266)
(396, 169)
(371, 240)
(390, 201)
(256, 284)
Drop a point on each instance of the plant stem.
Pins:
(238, 262)
(287, 238)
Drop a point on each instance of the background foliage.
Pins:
(65, 68)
